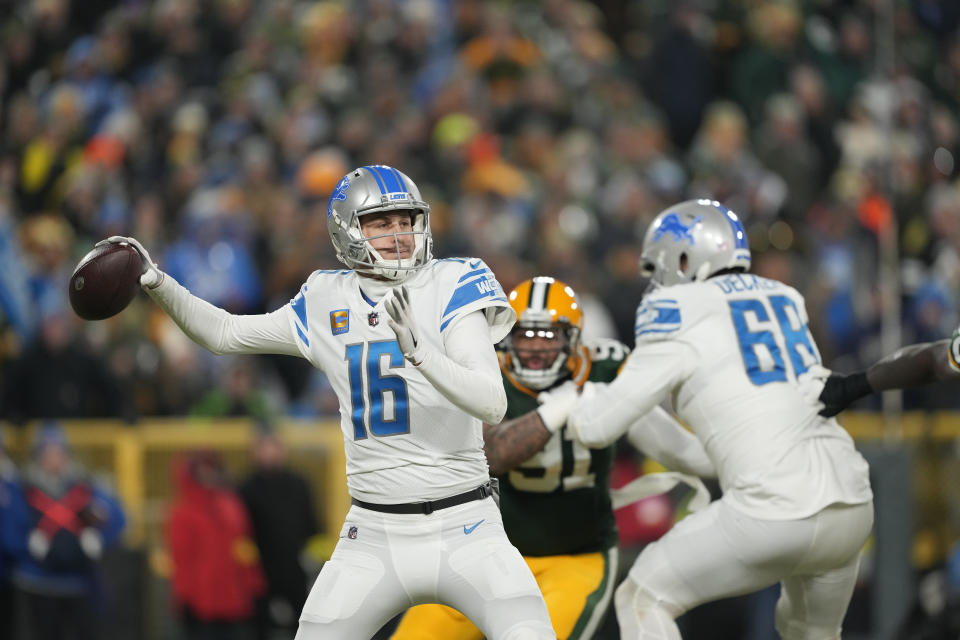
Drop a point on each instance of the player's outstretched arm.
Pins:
(606, 411)
(512, 442)
(910, 366)
(212, 327)
(467, 374)
(659, 436)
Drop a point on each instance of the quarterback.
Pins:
(407, 343)
(733, 353)
(555, 495)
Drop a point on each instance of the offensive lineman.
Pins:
(407, 343)
(734, 354)
(555, 495)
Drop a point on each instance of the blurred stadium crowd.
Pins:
(545, 136)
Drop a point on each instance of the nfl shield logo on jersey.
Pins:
(373, 318)
(352, 533)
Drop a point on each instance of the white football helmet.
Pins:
(693, 240)
(376, 189)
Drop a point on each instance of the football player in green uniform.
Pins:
(554, 492)
(910, 366)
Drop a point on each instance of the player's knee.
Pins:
(310, 631)
(529, 631)
(630, 595)
(797, 631)
(790, 627)
(643, 615)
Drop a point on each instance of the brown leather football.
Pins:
(105, 281)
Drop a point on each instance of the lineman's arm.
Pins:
(910, 366)
(512, 442)
(607, 411)
(659, 436)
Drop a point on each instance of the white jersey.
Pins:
(404, 441)
(734, 354)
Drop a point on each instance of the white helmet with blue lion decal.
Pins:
(377, 189)
(691, 241)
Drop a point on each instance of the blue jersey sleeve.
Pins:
(657, 318)
(300, 323)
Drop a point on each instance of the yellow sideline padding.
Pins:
(137, 460)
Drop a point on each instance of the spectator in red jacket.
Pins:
(217, 576)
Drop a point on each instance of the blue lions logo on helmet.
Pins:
(339, 193)
(671, 224)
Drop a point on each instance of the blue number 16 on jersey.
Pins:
(367, 360)
(774, 316)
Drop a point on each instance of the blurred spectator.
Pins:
(47, 242)
(281, 509)
(17, 305)
(60, 376)
(10, 541)
(241, 395)
(216, 573)
(783, 147)
(761, 69)
(681, 76)
(214, 257)
(935, 612)
(64, 520)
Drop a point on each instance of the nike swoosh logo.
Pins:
(474, 265)
(468, 530)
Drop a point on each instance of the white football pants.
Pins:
(720, 552)
(460, 557)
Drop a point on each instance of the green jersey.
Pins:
(558, 501)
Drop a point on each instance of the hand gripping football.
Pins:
(105, 281)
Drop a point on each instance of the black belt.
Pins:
(481, 492)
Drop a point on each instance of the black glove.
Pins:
(841, 390)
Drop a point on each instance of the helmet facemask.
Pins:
(539, 367)
(545, 340)
(373, 190)
(364, 258)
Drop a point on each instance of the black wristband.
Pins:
(858, 385)
(840, 391)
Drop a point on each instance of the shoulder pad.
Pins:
(657, 316)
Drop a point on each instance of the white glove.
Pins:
(38, 544)
(91, 542)
(953, 357)
(812, 382)
(556, 405)
(401, 321)
(152, 276)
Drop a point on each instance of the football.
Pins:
(105, 281)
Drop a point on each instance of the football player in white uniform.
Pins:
(407, 343)
(733, 353)
(555, 498)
